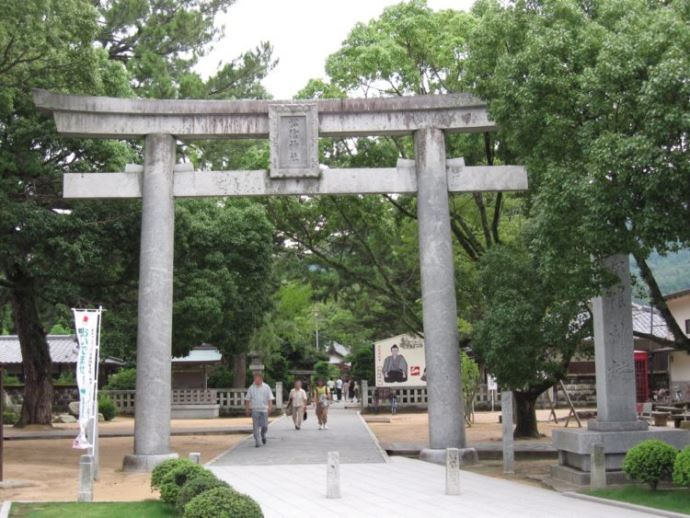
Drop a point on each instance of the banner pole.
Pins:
(95, 450)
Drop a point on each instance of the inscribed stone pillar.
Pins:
(446, 414)
(154, 332)
(508, 443)
(614, 353)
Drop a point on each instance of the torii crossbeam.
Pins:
(293, 129)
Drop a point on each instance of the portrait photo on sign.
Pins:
(400, 361)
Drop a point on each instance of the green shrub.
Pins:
(194, 487)
(106, 407)
(650, 461)
(9, 417)
(66, 378)
(125, 379)
(164, 468)
(681, 468)
(176, 478)
(222, 502)
(10, 379)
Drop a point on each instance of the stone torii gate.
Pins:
(293, 129)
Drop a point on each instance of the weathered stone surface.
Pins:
(64, 418)
(189, 184)
(616, 427)
(598, 467)
(452, 471)
(333, 475)
(294, 135)
(613, 351)
(468, 456)
(154, 333)
(74, 408)
(109, 117)
(85, 479)
(444, 387)
(507, 440)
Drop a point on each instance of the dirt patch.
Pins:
(414, 428)
(53, 466)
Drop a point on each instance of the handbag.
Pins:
(304, 417)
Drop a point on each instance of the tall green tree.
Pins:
(223, 253)
(594, 98)
(55, 254)
(532, 324)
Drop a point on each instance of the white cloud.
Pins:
(303, 34)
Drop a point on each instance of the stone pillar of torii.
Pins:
(293, 129)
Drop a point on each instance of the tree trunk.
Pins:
(239, 370)
(526, 415)
(37, 407)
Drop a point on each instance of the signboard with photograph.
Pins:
(400, 362)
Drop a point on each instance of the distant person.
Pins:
(395, 367)
(258, 403)
(354, 390)
(331, 385)
(346, 389)
(339, 389)
(322, 397)
(394, 402)
(298, 399)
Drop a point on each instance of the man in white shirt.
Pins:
(298, 400)
(258, 403)
(339, 389)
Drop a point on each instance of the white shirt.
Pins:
(338, 383)
(259, 397)
(298, 397)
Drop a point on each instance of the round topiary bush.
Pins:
(163, 468)
(681, 468)
(106, 407)
(650, 461)
(176, 478)
(222, 502)
(194, 487)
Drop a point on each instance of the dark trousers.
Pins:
(339, 393)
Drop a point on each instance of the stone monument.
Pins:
(616, 426)
(293, 128)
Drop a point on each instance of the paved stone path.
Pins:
(347, 434)
(402, 488)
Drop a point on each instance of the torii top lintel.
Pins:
(109, 117)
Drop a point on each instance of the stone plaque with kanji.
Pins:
(294, 132)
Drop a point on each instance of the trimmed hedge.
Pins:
(106, 407)
(194, 487)
(163, 468)
(650, 461)
(681, 468)
(177, 477)
(222, 502)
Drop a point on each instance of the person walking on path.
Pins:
(259, 402)
(298, 400)
(322, 397)
(346, 390)
(339, 389)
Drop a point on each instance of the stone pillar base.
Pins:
(438, 456)
(138, 463)
(575, 446)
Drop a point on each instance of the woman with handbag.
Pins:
(322, 398)
(297, 404)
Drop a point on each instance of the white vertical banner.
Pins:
(87, 323)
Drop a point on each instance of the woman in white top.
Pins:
(298, 400)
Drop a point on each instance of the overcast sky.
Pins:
(303, 34)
